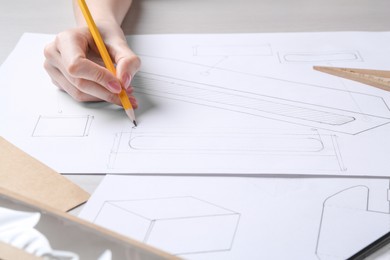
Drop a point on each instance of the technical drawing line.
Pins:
(124, 209)
(337, 211)
(172, 80)
(337, 56)
(146, 199)
(266, 142)
(153, 226)
(232, 50)
(215, 205)
(310, 149)
(322, 217)
(265, 116)
(323, 212)
(239, 101)
(338, 153)
(207, 71)
(388, 197)
(190, 217)
(291, 111)
(62, 126)
(227, 211)
(276, 96)
(213, 143)
(147, 235)
(172, 218)
(264, 76)
(175, 197)
(203, 252)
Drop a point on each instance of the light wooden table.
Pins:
(198, 16)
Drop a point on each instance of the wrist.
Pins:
(101, 13)
(108, 22)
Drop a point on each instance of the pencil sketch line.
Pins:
(309, 149)
(197, 216)
(208, 221)
(299, 140)
(149, 76)
(232, 50)
(129, 211)
(36, 125)
(264, 116)
(62, 126)
(276, 108)
(308, 57)
(338, 152)
(215, 205)
(339, 212)
(149, 231)
(160, 198)
(307, 143)
(263, 76)
(247, 102)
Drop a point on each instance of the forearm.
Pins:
(111, 11)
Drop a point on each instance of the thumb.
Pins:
(127, 64)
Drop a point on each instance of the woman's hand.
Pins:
(74, 64)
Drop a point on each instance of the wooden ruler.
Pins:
(376, 78)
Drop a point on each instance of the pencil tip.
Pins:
(130, 114)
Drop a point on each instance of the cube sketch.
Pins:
(179, 225)
(62, 126)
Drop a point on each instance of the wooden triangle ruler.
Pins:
(376, 78)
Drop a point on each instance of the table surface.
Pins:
(198, 16)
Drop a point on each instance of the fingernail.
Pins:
(129, 90)
(133, 101)
(126, 80)
(114, 86)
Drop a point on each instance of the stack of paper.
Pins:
(281, 140)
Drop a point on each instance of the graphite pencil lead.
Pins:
(130, 114)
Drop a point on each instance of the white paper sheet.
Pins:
(244, 218)
(221, 104)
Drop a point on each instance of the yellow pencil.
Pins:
(106, 57)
